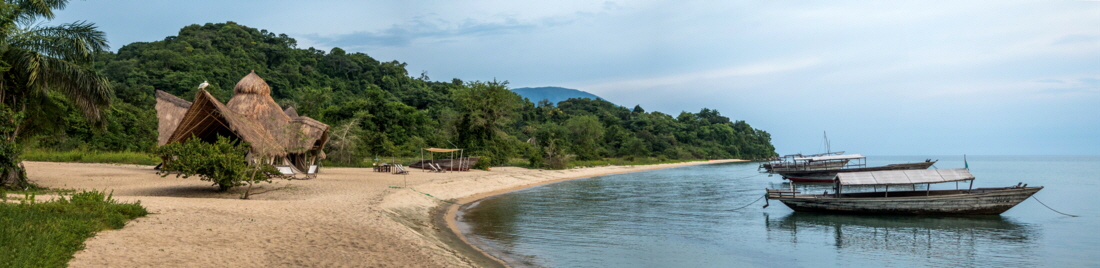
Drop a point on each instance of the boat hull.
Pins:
(828, 179)
(985, 201)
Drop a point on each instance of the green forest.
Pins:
(376, 108)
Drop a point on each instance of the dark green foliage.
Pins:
(125, 127)
(553, 142)
(376, 108)
(11, 170)
(483, 163)
(222, 162)
(83, 156)
(47, 234)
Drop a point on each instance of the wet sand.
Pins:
(345, 217)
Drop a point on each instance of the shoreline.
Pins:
(446, 213)
(345, 217)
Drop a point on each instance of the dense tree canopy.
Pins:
(376, 108)
(45, 71)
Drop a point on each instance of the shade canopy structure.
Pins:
(899, 177)
(440, 150)
(280, 135)
(462, 163)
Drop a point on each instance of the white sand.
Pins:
(346, 217)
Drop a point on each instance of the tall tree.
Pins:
(35, 60)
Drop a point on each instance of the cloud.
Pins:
(757, 69)
(402, 35)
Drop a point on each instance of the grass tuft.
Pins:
(47, 234)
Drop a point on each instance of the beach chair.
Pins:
(438, 168)
(286, 171)
(399, 169)
(312, 171)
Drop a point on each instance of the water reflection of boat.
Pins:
(981, 201)
(993, 224)
(950, 238)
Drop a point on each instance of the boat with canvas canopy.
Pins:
(822, 168)
(780, 163)
(912, 201)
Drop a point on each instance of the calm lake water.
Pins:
(687, 217)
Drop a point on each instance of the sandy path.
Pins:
(346, 217)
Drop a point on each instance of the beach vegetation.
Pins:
(47, 234)
(222, 162)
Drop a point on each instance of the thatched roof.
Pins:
(170, 110)
(253, 100)
(252, 84)
(207, 118)
(291, 112)
(311, 134)
(252, 115)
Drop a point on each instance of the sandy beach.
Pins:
(345, 217)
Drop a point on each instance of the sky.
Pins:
(879, 77)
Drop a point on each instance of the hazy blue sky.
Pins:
(882, 77)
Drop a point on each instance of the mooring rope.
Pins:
(1051, 209)
(750, 176)
(753, 202)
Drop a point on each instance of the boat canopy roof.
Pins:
(831, 157)
(912, 176)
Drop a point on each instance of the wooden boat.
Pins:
(824, 168)
(787, 162)
(981, 201)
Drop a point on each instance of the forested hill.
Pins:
(552, 94)
(376, 108)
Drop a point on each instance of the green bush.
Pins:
(483, 163)
(48, 234)
(222, 162)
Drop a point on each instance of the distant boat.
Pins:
(780, 163)
(981, 201)
(822, 168)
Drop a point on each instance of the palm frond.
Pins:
(88, 89)
(76, 42)
(27, 11)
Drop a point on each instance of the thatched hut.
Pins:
(170, 110)
(251, 115)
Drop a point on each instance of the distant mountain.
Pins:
(554, 94)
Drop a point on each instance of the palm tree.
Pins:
(37, 59)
